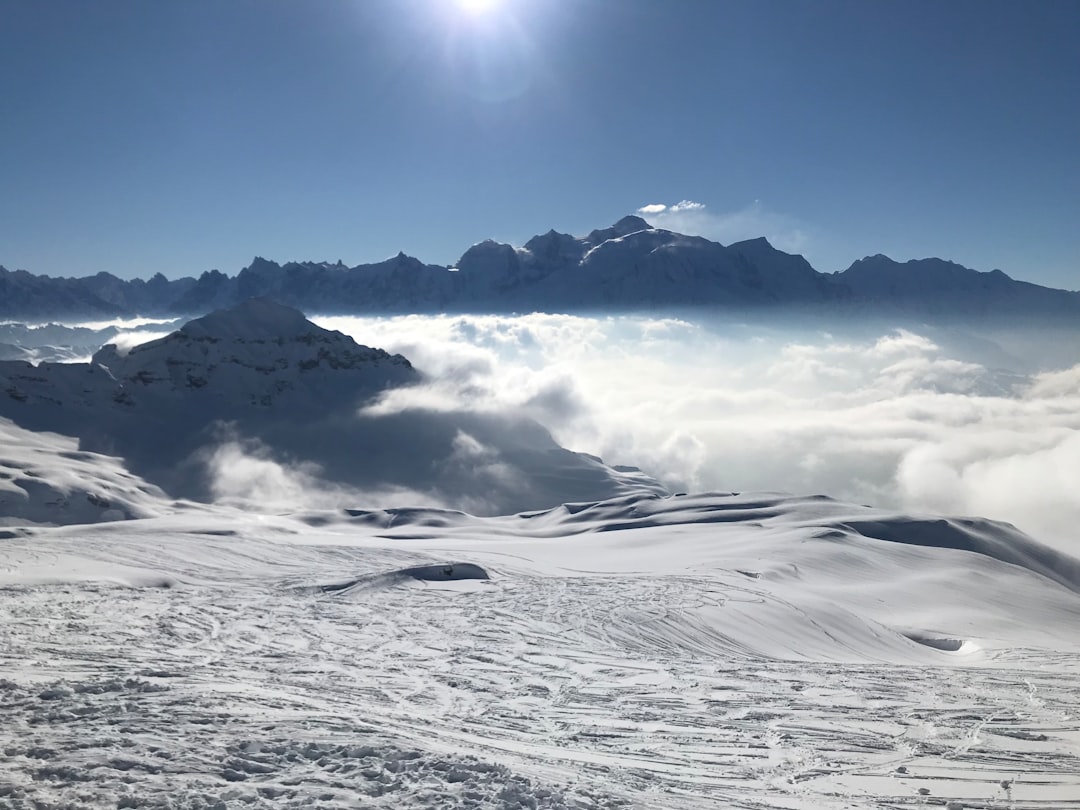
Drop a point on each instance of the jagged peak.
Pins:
(259, 263)
(403, 259)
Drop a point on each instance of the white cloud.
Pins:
(904, 420)
(686, 205)
(245, 473)
(126, 341)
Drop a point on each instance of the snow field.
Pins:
(633, 667)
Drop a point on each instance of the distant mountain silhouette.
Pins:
(936, 288)
(630, 266)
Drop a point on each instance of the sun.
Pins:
(477, 7)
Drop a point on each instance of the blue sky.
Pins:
(178, 136)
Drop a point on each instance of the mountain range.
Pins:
(630, 266)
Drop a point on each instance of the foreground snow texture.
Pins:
(722, 650)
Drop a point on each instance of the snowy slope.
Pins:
(716, 651)
(45, 478)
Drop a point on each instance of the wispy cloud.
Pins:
(126, 341)
(246, 473)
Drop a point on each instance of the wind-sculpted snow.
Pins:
(438, 572)
(996, 540)
(46, 478)
(837, 522)
(831, 521)
(710, 651)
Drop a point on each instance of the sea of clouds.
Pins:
(919, 420)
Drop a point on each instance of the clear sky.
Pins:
(139, 136)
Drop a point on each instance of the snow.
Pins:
(612, 646)
(716, 650)
(253, 320)
(46, 478)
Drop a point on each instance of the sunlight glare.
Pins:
(477, 7)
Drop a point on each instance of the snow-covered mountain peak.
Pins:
(489, 246)
(255, 351)
(258, 366)
(254, 319)
(631, 223)
(490, 259)
(633, 245)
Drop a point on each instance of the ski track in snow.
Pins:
(229, 681)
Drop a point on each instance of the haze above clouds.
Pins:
(892, 418)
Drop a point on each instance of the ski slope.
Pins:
(713, 651)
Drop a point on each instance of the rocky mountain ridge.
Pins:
(630, 266)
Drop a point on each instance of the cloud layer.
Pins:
(906, 419)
